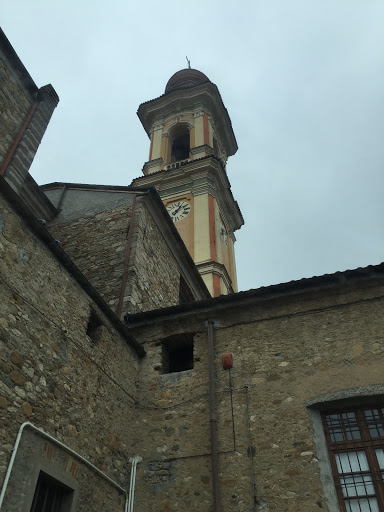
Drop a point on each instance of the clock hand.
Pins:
(176, 211)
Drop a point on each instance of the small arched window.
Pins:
(179, 143)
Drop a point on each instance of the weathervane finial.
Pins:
(189, 63)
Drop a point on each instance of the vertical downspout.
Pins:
(126, 262)
(213, 421)
(17, 140)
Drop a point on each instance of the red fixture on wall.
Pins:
(227, 360)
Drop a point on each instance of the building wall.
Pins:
(25, 112)
(94, 395)
(91, 392)
(97, 244)
(289, 352)
(15, 101)
(153, 273)
(79, 389)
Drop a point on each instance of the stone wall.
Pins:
(153, 273)
(97, 244)
(15, 102)
(25, 112)
(79, 389)
(289, 351)
(18, 168)
(85, 486)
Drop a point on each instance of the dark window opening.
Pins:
(179, 140)
(177, 353)
(93, 328)
(180, 148)
(355, 439)
(185, 293)
(51, 495)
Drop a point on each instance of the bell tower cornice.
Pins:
(204, 176)
(197, 100)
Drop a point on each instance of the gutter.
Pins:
(64, 259)
(261, 294)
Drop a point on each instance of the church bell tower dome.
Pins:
(184, 79)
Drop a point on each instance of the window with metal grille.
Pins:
(355, 439)
(51, 495)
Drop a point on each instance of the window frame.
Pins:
(174, 347)
(366, 444)
(66, 492)
(55, 471)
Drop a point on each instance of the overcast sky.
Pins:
(303, 82)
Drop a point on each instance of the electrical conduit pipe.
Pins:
(135, 461)
(67, 449)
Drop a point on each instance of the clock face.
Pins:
(178, 210)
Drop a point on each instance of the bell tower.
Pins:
(191, 138)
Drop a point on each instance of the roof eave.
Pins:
(263, 293)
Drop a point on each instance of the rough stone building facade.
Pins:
(122, 237)
(71, 378)
(298, 349)
(124, 386)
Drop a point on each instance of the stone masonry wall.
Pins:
(18, 95)
(153, 273)
(15, 102)
(287, 351)
(97, 245)
(80, 390)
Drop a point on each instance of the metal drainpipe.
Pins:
(17, 140)
(213, 421)
(135, 461)
(126, 262)
(64, 447)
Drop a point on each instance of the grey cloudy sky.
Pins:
(303, 82)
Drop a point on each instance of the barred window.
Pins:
(355, 439)
(51, 495)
